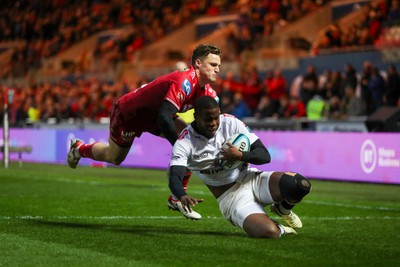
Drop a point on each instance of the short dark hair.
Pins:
(203, 50)
(205, 102)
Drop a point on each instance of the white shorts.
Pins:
(246, 197)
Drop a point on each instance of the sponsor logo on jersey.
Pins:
(187, 87)
(202, 155)
(126, 136)
(212, 171)
(181, 97)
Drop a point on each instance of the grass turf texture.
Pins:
(51, 215)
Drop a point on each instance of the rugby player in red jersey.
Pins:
(152, 108)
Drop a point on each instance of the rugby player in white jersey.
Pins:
(241, 193)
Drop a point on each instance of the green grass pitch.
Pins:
(51, 215)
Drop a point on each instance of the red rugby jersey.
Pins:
(181, 88)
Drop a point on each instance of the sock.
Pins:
(281, 229)
(285, 206)
(85, 150)
(173, 198)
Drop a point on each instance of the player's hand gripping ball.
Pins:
(242, 143)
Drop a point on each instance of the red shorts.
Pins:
(125, 126)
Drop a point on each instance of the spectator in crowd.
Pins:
(333, 35)
(295, 108)
(352, 105)
(316, 108)
(332, 86)
(284, 104)
(393, 15)
(334, 110)
(240, 107)
(276, 88)
(392, 93)
(309, 84)
(366, 95)
(265, 108)
(377, 88)
(349, 77)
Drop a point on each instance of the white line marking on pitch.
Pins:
(31, 217)
(350, 205)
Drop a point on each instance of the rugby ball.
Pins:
(242, 143)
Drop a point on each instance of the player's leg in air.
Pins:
(111, 152)
(289, 189)
(173, 203)
(116, 154)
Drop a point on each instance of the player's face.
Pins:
(207, 122)
(208, 69)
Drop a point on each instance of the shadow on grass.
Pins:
(136, 229)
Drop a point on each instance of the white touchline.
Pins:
(350, 205)
(33, 217)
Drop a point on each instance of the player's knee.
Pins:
(270, 231)
(116, 160)
(259, 226)
(294, 186)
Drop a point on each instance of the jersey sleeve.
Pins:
(175, 95)
(180, 154)
(241, 127)
(211, 92)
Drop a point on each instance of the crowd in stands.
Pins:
(43, 29)
(333, 95)
(260, 19)
(374, 28)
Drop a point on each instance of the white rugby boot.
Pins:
(286, 230)
(291, 219)
(177, 206)
(73, 156)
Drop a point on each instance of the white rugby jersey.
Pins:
(201, 155)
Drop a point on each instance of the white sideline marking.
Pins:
(31, 217)
(350, 205)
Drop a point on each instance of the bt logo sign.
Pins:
(368, 156)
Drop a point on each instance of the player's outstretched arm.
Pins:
(176, 174)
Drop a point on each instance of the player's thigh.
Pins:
(180, 124)
(266, 187)
(117, 152)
